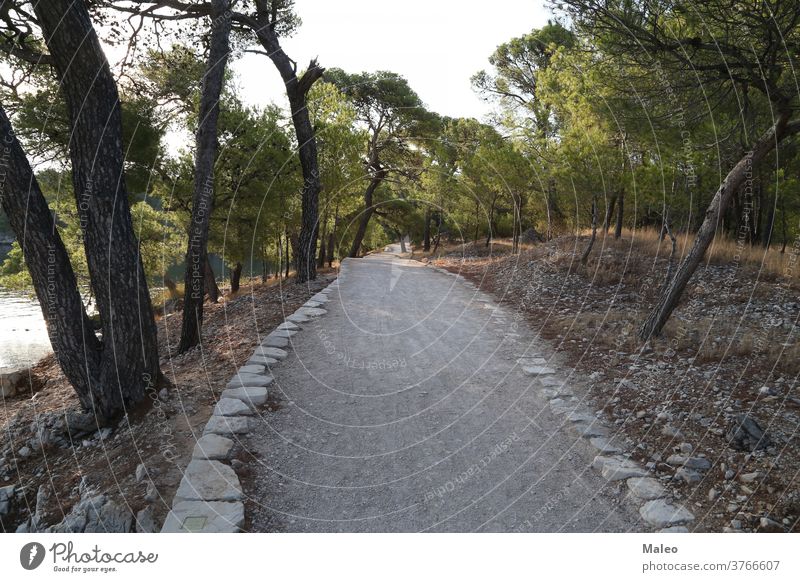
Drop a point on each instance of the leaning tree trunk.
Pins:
(297, 92)
(210, 283)
(128, 363)
(361, 231)
(195, 278)
(76, 347)
(669, 299)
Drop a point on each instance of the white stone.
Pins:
(603, 445)
(287, 333)
(589, 430)
(273, 341)
(312, 304)
(660, 513)
(646, 488)
(274, 353)
(578, 416)
(549, 381)
(253, 369)
(298, 318)
(537, 370)
(531, 361)
(262, 361)
(227, 425)
(205, 517)
(212, 447)
(288, 325)
(674, 529)
(209, 481)
(250, 395)
(617, 468)
(311, 311)
(244, 380)
(232, 407)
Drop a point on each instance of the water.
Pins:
(23, 334)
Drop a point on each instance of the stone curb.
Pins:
(209, 498)
(656, 509)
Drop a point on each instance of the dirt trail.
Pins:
(404, 409)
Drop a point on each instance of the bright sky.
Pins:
(436, 44)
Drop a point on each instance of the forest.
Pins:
(672, 117)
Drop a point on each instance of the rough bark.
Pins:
(210, 287)
(585, 256)
(128, 362)
(609, 213)
(76, 348)
(669, 299)
(236, 277)
(620, 213)
(195, 278)
(426, 232)
(171, 285)
(322, 246)
(297, 91)
(329, 257)
(369, 209)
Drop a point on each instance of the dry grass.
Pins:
(723, 251)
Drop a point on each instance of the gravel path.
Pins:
(404, 409)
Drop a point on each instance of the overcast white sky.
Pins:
(436, 44)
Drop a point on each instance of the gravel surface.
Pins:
(404, 409)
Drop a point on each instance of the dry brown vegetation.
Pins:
(730, 348)
(160, 437)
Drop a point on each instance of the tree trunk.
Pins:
(588, 250)
(783, 224)
(286, 262)
(171, 286)
(196, 279)
(609, 213)
(477, 221)
(426, 232)
(75, 345)
(128, 363)
(322, 249)
(367, 213)
(210, 283)
(671, 262)
(236, 277)
(402, 243)
(668, 301)
(620, 213)
(297, 92)
(332, 236)
(331, 241)
(769, 224)
(491, 223)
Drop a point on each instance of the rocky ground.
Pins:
(713, 404)
(56, 475)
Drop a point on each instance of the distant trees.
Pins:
(393, 116)
(730, 58)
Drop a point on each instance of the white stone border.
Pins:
(613, 460)
(209, 498)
